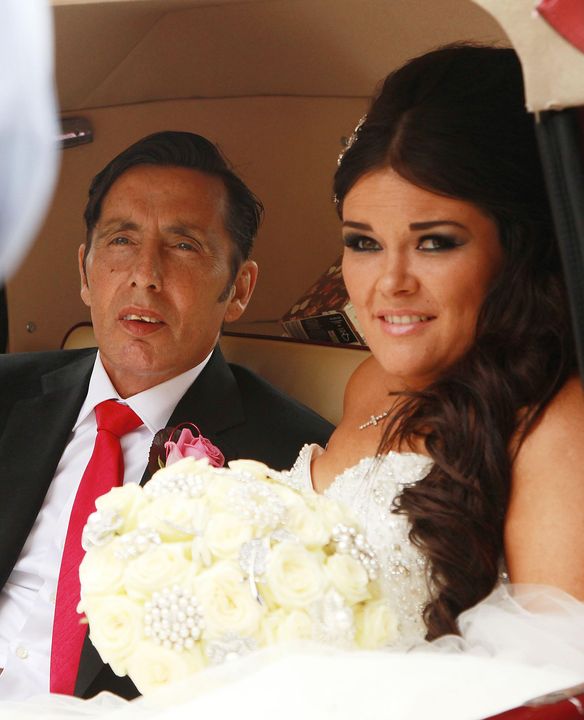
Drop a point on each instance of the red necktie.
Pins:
(104, 470)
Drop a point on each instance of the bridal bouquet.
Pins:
(204, 564)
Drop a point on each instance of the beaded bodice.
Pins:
(369, 488)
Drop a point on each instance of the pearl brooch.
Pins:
(136, 542)
(173, 619)
(350, 542)
(188, 485)
(258, 504)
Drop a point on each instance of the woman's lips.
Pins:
(405, 323)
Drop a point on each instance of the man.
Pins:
(166, 262)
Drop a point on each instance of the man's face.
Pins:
(158, 275)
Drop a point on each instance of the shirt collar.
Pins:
(154, 406)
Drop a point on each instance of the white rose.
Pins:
(228, 606)
(225, 534)
(201, 556)
(376, 625)
(218, 492)
(152, 666)
(282, 626)
(101, 572)
(250, 467)
(294, 576)
(175, 518)
(349, 577)
(186, 466)
(158, 484)
(332, 512)
(307, 525)
(290, 497)
(158, 567)
(127, 501)
(115, 628)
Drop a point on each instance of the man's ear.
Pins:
(83, 275)
(241, 290)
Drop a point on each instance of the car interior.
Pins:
(278, 85)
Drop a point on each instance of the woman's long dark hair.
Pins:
(453, 122)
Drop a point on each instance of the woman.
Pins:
(451, 265)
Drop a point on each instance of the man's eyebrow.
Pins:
(117, 224)
(184, 228)
(428, 224)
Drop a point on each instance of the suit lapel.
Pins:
(213, 403)
(30, 449)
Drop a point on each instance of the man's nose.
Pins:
(147, 270)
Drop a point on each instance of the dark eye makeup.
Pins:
(360, 243)
(434, 243)
(437, 243)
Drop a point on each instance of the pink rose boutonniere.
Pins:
(173, 444)
(198, 447)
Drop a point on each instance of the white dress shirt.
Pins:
(27, 601)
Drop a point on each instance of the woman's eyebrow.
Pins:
(433, 223)
(357, 225)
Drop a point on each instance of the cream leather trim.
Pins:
(315, 375)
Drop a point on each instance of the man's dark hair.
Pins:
(188, 150)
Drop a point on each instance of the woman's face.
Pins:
(417, 267)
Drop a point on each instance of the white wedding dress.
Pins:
(536, 625)
(521, 642)
(369, 488)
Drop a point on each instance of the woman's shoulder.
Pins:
(561, 423)
(544, 541)
(556, 440)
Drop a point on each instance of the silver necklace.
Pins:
(374, 420)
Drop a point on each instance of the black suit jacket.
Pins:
(40, 398)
